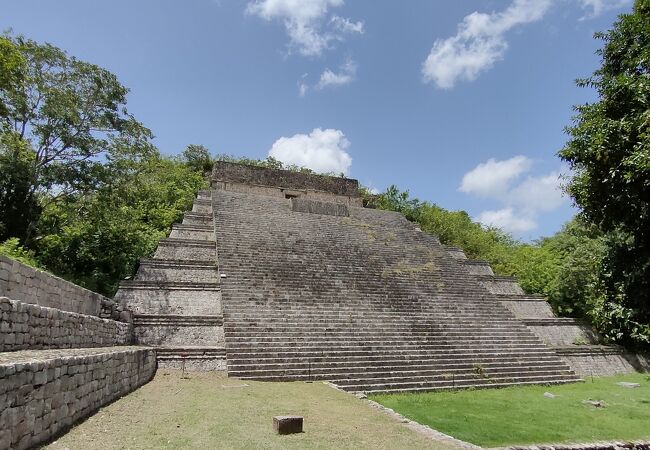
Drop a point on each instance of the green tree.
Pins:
(96, 239)
(609, 152)
(18, 203)
(12, 67)
(198, 158)
(70, 113)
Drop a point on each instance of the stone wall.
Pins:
(174, 335)
(475, 267)
(269, 191)
(562, 332)
(598, 361)
(29, 285)
(28, 326)
(150, 298)
(529, 308)
(43, 392)
(318, 207)
(186, 250)
(251, 175)
(500, 285)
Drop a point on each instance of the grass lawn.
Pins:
(523, 415)
(208, 411)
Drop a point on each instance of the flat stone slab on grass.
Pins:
(287, 424)
(628, 385)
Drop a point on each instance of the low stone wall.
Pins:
(167, 298)
(26, 326)
(242, 173)
(561, 331)
(279, 192)
(316, 207)
(43, 392)
(29, 285)
(177, 271)
(600, 361)
(186, 250)
(476, 267)
(529, 308)
(500, 285)
(179, 335)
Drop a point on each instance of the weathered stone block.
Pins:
(287, 424)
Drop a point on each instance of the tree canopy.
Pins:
(609, 153)
(60, 118)
(83, 191)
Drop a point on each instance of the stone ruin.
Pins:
(280, 276)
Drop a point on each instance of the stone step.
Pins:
(192, 358)
(309, 333)
(343, 380)
(185, 243)
(179, 263)
(496, 381)
(432, 359)
(397, 366)
(263, 323)
(386, 371)
(396, 316)
(193, 232)
(520, 297)
(203, 200)
(369, 307)
(198, 218)
(493, 385)
(176, 320)
(363, 348)
(414, 323)
(190, 352)
(550, 321)
(169, 285)
(186, 250)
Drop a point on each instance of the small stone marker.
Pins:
(594, 403)
(287, 424)
(549, 395)
(628, 385)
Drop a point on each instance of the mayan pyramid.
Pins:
(278, 275)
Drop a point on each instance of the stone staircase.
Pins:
(364, 299)
(176, 298)
(314, 287)
(571, 339)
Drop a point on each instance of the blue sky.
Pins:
(462, 103)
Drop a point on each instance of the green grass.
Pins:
(522, 415)
(208, 411)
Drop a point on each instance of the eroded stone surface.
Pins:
(287, 424)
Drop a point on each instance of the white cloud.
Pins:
(345, 25)
(597, 7)
(535, 194)
(303, 21)
(521, 202)
(478, 43)
(345, 75)
(303, 87)
(320, 150)
(480, 40)
(492, 179)
(508, 220)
